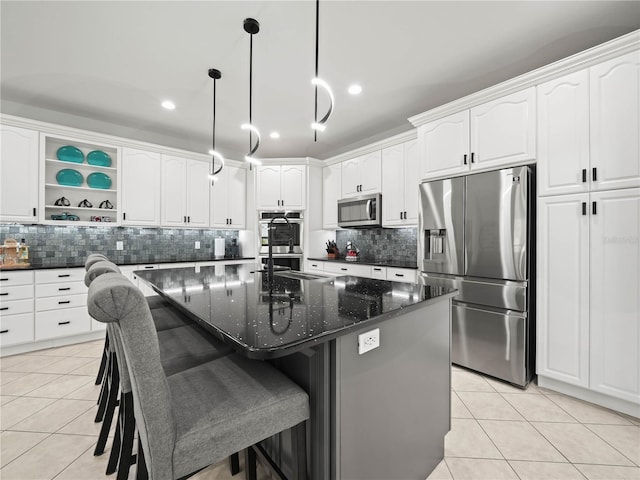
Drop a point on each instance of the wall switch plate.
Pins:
(368, 341)
(197, 245)
(119, 245)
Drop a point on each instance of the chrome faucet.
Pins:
(270, 243)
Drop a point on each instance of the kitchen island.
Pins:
(381, 414)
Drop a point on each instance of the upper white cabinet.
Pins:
(79, 182)
(495, 134)
(362, 175)
(228, 199)
(331, 193)
(18, 175)
(588, 129)
(281, 187)
(615, 123)
(400, 182)
(141, 183)
(185, 192)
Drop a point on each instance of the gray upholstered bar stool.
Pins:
(197, 417)
(91, 259)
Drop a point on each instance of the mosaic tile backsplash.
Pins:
(381, 244)
(52, 245)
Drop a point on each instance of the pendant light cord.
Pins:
(315, 115)
(250, 88)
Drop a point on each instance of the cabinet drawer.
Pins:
(16, 329)
(61, 323)
(61, 302)
(16, 306)
(379, 272)
(312, 265)
(11, 278)
(346, 269)
(20, 292)
(402, 275)
(60, 289)
(60, 275)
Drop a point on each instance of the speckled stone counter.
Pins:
(264, 320)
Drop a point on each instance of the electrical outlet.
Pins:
(368, 341)
(197, 245)
(119, 245)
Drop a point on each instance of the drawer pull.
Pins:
(344, 269)
(377, 269)
(4, 294)
(148, 266)
(64, 323)
(4, 331)
(399, 274)
(4, 308)
(61, 289)
(3, 279)
(64, 302)
(64, 275)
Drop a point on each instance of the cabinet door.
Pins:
(173, 191)
(393, 185)
(563, 135)
(331, 193)
(18, 174)
(371, 173)
(411, 183)
(444, 145)
(615, 123)
(292, 186)
(563, 289)
(141, 184)
(615, 303)
(503, 130)
(197, 193)
(237, 197)
(219, 198)
(268, 180)
(351, 177)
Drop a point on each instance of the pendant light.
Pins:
(251, 26)
(215, 75)
(318, 82)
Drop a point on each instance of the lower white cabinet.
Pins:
(61, 303)
(16, 307)
(394, 274)
(588, 280)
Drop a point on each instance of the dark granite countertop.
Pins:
(237, 304)
(368, 261)
(80, 264)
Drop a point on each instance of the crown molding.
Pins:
(598, 54)
(372, 147)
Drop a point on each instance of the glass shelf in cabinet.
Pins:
(80, 165)
(88, 189)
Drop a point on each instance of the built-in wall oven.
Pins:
(286, 237)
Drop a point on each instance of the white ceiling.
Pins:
(106, 66)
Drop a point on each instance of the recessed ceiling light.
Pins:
(274, 135)
(169, 105)
(355, 89)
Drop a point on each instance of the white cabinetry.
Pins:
(16, 308)
(362, 175)
(18, 174)
(94, 179)
(141, 183)
(61, 303)
(589, 129)
(229, 199)
(331, 193)
(400, 185)
(588, 284)
(394, 274)
(491, 135)
(281, 187)
(185, 192)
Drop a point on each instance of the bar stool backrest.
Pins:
(98, 268)
(94, 258)
(114, 300)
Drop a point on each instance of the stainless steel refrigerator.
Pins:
(476, 234)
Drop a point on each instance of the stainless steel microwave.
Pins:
(360, 212)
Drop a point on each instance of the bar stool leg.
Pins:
(103, 362)
(141, 465)
(128, 430)
(234, 463)
(250, 464)
(104, 390)
(111, 403)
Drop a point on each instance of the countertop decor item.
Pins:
(99, 180)
(69, 177)
(69, 153)
(99, 158)
(332, 249)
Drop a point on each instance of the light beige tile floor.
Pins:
(47, 406)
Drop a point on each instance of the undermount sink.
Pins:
(299, 275)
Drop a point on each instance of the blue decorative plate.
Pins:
(69, 177)
(70, 154)
(99, 158)
(99, 180)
